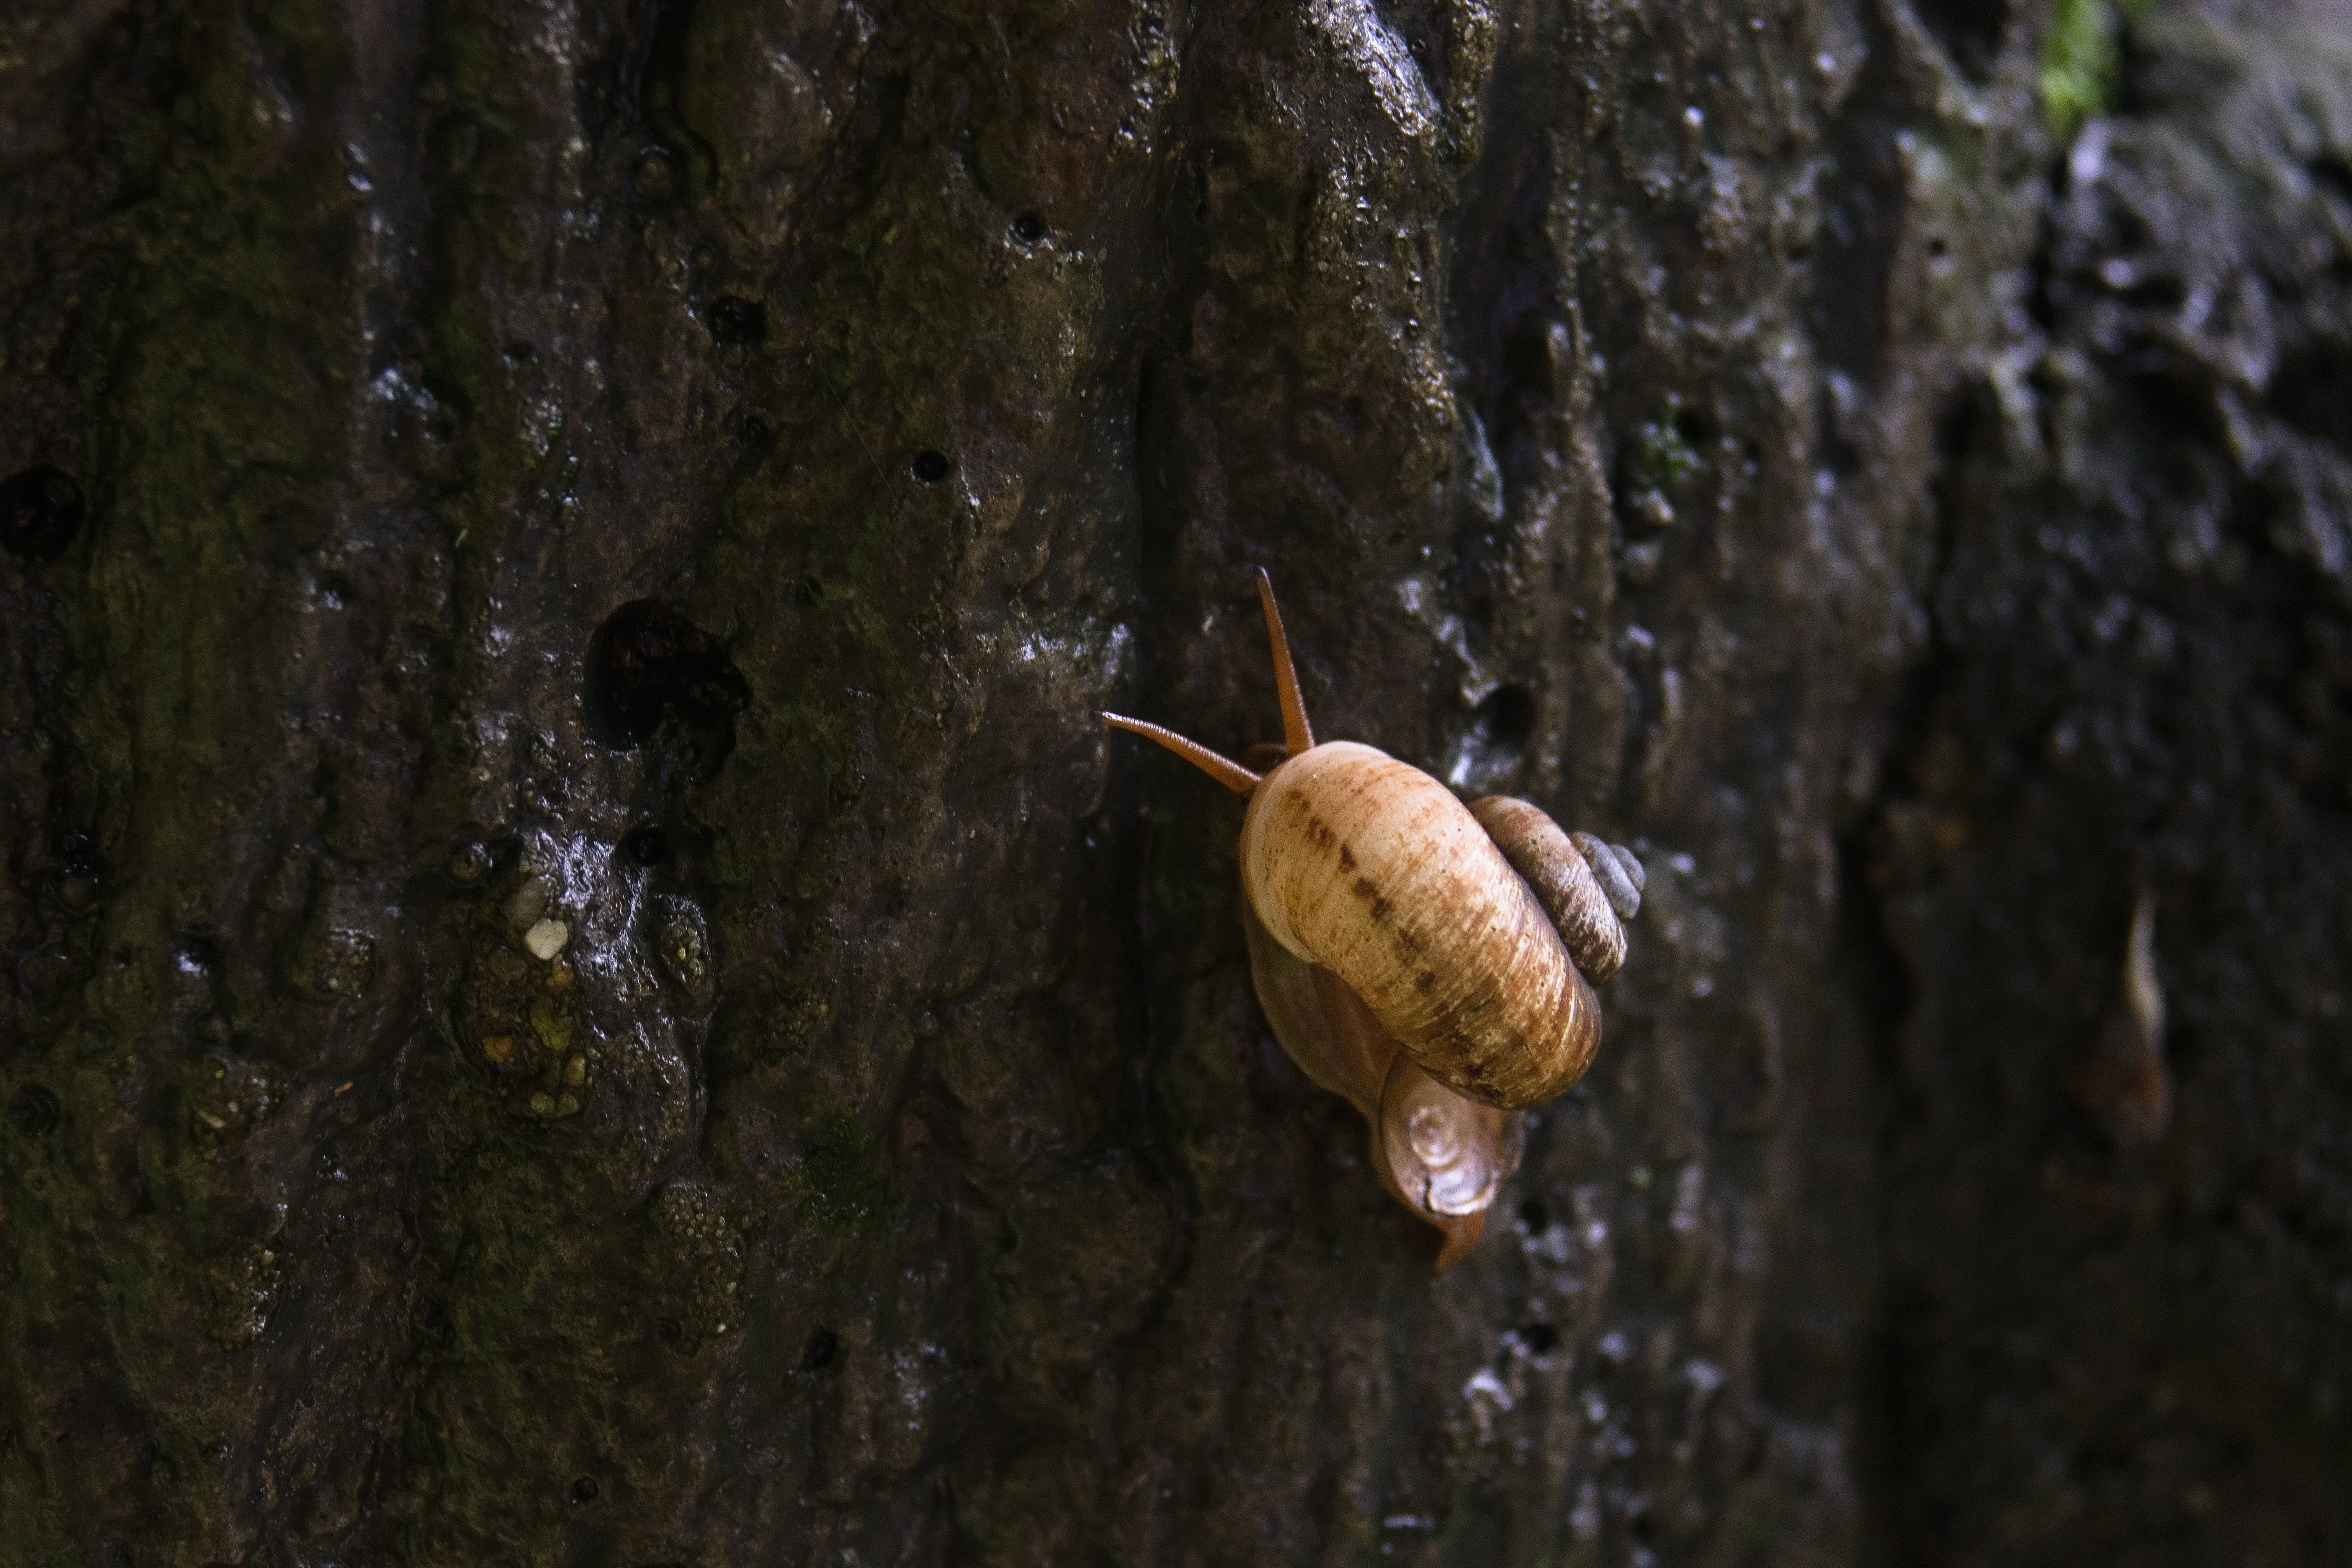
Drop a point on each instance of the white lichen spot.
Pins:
(1584, 1519)
(1484, 1386)
(546, 939)
(542, 423)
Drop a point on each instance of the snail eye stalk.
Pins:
(1224, 770)
(1295, 735)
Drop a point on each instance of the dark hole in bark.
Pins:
(40, 511)
(471, 859)
(33, 1111)
(1506, 720)
(1533, 1215)
(930, 466)
(2313, 391)
(432, 1327)
(77, 856)
(1028, 228)
(2174, 399)
(134, 1182)
(1541, 1338)
(656, 176)
(652, 673)
(754, 436)
(823, 1347)
(1969, 30)
(78, 873)
(669, 1331)
(647, 845)
(737, 321)
(583, 1491)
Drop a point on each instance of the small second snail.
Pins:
(1432, 963)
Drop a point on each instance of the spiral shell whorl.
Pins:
(1372, 869)
(1565, 871)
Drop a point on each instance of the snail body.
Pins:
(1432, 963)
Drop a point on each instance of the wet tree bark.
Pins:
(584, 986)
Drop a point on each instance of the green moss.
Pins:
(1662, 458)
(848, 1189)
(2078, 59)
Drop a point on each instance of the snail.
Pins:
(1430, 963)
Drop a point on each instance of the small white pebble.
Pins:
(546, 939)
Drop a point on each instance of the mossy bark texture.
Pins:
(583, 985)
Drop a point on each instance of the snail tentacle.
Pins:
(1224, 770)
(1296, 735)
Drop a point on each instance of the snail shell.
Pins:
(1372, 869)
(1584, 885)
(1430, 963)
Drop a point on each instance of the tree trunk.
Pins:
(587, 987)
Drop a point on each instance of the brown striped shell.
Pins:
(1372, 869)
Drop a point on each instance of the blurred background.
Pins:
(584, 987)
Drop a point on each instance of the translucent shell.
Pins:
(1441, 1156)
(1446, 1155)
